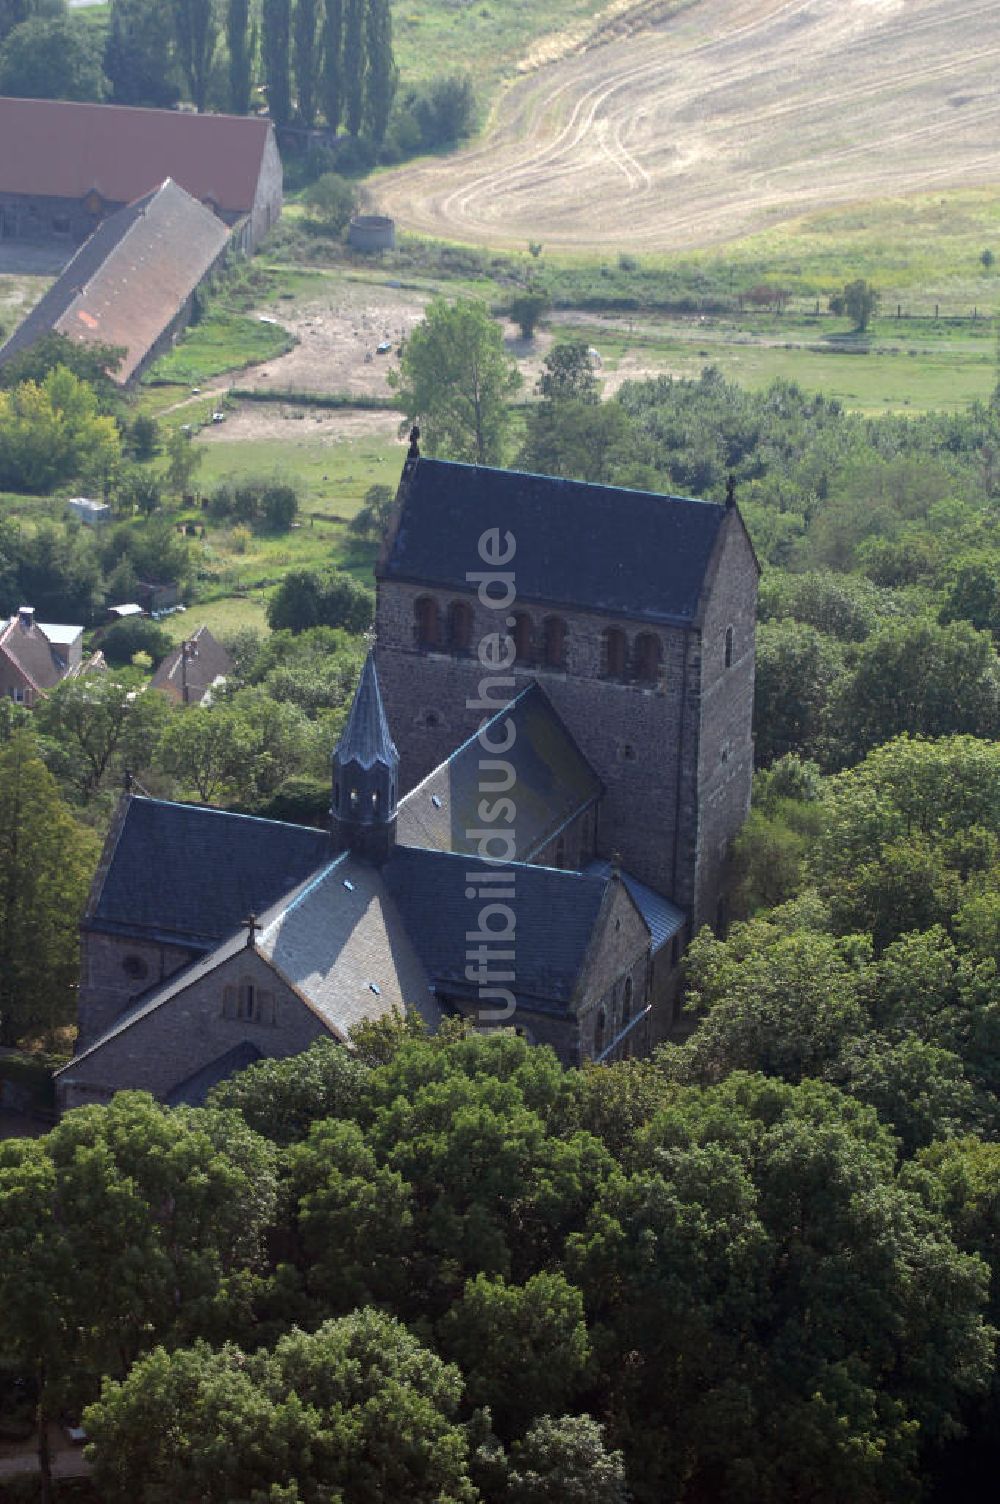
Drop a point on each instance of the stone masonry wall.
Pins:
(109, 981)
(630, 732)
(725, 753)
(268, 197)
(187, 1033)
(619, 951)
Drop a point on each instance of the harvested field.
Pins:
(721, 120)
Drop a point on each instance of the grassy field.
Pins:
(491, 40)
(222, 342)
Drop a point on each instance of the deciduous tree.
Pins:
(456, 379)
(46, 864)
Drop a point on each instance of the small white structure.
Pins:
(90, 513)
(120, 613)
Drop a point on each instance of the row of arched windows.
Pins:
(542, 644)
(535, 645)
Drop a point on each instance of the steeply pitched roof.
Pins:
(341, 943)
(599, 548)
(65, 150)
(188, 874)
(663, 918)
(553, 783)
(127, 283)
(205, 667)
(366, 738)
(555, 913)
(336, 939)
(193, 1091)
(31, 651)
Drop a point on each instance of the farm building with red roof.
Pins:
(65, 166)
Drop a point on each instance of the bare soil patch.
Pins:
(338, 342)
(721, 120)
(251, 422)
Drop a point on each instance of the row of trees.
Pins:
(333, 57)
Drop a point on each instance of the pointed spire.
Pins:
(366, 739)
(365, 775)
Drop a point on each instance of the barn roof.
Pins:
(600, 548)
(127, 283)
(67, 150)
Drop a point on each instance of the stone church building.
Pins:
(531, 807)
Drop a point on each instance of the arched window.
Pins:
(729, 647)
(600, 1029)
(523, 635)
(460, 626)
(560, 852)
(615, 653)
(353, 799)
(554, 642)
(336, 794)
(426, 622)
(648, 655)
(627, 1003)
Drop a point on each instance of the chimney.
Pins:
(26, 617)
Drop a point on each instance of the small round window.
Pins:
(135, 967)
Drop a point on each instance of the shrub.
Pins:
(331, 201)
(136, 634)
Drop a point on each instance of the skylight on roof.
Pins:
(348, 885)
(436, 801)
(374, 987)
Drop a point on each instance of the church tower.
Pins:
(365, 775)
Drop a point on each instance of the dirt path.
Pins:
(725, 119)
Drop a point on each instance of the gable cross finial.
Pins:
(730, 490)
(253, 924)
(413, 453)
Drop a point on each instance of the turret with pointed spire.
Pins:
(365, 775)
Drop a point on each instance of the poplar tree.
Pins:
(240, 55)
(306, 57)
(333, 62)
(382, 75)
(354, 65)
(197, 29)
(276, 30)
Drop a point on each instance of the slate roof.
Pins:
(189, 875)
(341, 943)
(209, 663)
(366, 738)
(555, 913)
(66, 150)
(626, 553)
(337, 939)
(127, 283)
(553, 783)
(662, 917)
(193, 1091)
